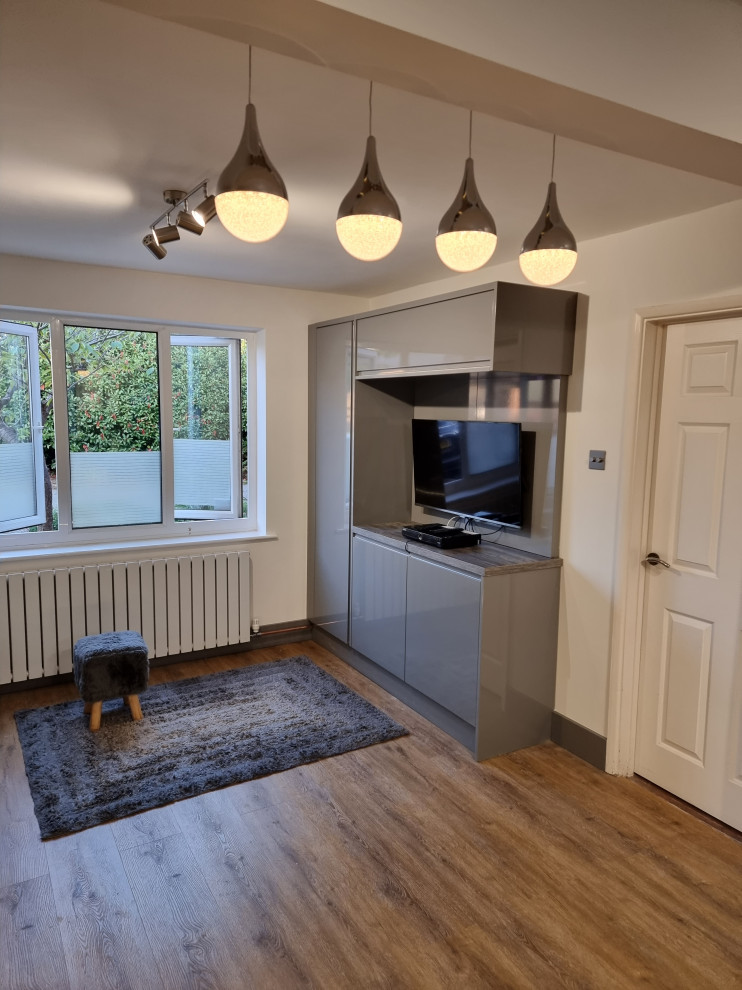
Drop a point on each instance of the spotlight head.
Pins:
(168, 233)
(152, 244)
(190, 221)
(206, 210)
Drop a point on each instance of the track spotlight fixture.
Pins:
(206, 210)
(251, 198)
(549, 251)
(191, 220)
(152, 244)
(467, 235)
(167, 233)
(368, 223)
(187, 219)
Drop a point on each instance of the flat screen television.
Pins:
(469, 468)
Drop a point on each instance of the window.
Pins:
(112, 432)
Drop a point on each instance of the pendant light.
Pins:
(467, 235)
(369, 224)
(251, 199)
(549, 252)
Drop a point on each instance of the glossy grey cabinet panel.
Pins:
(331, 362)
(517, 677)
(444, 334)
(442, 659)
(503, 326)
(378, 604)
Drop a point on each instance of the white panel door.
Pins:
(689, 737)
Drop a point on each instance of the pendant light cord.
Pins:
(553, 155)
(249, 73)
(471, 113)
(370, 93)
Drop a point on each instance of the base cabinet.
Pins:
(379, 596)
(442, 644)
(482, 648)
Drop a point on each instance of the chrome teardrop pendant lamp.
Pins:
(467, 235)
(251, 199)
(368, 223)
(549, 251)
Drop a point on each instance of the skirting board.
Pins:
(450, 723)
(575, 738)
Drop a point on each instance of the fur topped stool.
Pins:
(111, 665)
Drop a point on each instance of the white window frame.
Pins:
(170, 529)
(34, 384)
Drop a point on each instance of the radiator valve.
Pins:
(255, 626)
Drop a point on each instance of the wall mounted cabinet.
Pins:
(502, 327)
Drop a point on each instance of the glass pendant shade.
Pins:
(369, 224)
(549, 251)
(251, 199)
(467, 235)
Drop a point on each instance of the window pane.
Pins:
(244, 378)
(114, 425)
(24, 479)
(202, 441)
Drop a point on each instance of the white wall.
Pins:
(279, 566)
(677, 59)
(684, 261)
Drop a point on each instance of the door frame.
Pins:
(642, 407)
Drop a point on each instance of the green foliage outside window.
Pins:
(200, 392)
(112, 390)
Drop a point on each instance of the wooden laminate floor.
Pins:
(405, 865)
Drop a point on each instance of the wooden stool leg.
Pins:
(88, 706)
(132, 701)
(95, 713)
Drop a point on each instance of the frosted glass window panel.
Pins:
(115, 489)
(17, 481)
(113, 406)
(203, 475)
(21, 467)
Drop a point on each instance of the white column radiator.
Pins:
(178, 604)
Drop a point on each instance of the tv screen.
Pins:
(469, 468)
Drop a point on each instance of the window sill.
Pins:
(164, 545)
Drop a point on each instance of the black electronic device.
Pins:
(470, 468)
(443, 537)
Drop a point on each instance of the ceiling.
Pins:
(101, 108)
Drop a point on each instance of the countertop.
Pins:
(483, 560)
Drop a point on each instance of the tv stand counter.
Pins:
(482, 561)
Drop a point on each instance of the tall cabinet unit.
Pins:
(330, 431)
(467, 639)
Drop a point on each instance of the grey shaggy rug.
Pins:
(197, 735)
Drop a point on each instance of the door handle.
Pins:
(653, 559)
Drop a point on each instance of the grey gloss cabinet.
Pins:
(451, 333)
(499, 327)
(378, 604)
(481, 646)
(442, 648)
(330, 370)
